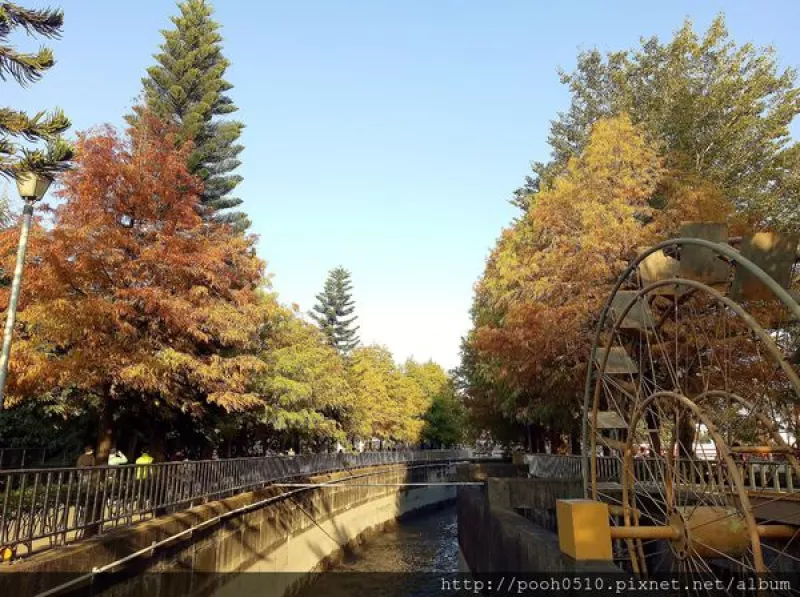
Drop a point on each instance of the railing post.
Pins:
(86, 500)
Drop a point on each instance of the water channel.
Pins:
(403, 561)
(398, 562)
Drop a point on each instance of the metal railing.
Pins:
(757, 475)
(46, 507)
(554, 466)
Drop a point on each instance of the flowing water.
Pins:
(408, 560)
(389, 564)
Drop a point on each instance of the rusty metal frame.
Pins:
(722, 448)
(770, 425)
(724, 250)
(752, 324)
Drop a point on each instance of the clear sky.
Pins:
(384, 136)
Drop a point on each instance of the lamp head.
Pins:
(32, 186)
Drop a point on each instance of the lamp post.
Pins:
(31, 187)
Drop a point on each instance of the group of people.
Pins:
(115, 458)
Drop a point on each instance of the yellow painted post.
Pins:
(584, 532)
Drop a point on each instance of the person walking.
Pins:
(86, 483)
(115, 477)
(142, 471)
(86, 459)
(143, 478)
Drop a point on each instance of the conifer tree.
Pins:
(187, 86)
(27, 68)
(335, 304)
(720, 111)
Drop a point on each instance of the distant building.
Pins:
(706, 451)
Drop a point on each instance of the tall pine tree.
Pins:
(187, 86)
(334, 306)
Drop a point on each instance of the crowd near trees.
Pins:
(146, 316)
(695, 128)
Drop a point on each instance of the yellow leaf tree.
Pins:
(547, 279)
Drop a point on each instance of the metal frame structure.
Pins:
(46, 507)
(724, 250)
(700, 509)
(761, 476)
(289, 493)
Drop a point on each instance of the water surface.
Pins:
(388, 565)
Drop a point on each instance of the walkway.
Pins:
(48, 507)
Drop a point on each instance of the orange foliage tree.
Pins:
(546, 281)
(130, 299)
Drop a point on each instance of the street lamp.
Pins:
(31, 187)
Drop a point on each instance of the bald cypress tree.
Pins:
(333, 310)
(187, 86)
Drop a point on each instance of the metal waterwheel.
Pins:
(690, 411)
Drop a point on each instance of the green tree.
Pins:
(188, 87)
(719, 111)
(444, 418)
(55, 422)
(375, 414)
(334, 306)
(388, 404)
(27, 68)
(304, 385)
(444, 421)
(483, 397)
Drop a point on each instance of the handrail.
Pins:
(53, 506)
(97, 570)
(758, 475)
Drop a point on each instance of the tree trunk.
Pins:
(686, 436)
(133, 444)
(555, 440)
(157, 444)
(105, 431)
(687, 427)
(575, 437)
(538, 439)
(575, 442)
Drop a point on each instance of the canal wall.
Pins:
(481, 471)
(294, 533)
(509, 525)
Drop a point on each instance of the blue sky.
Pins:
(384, 136)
